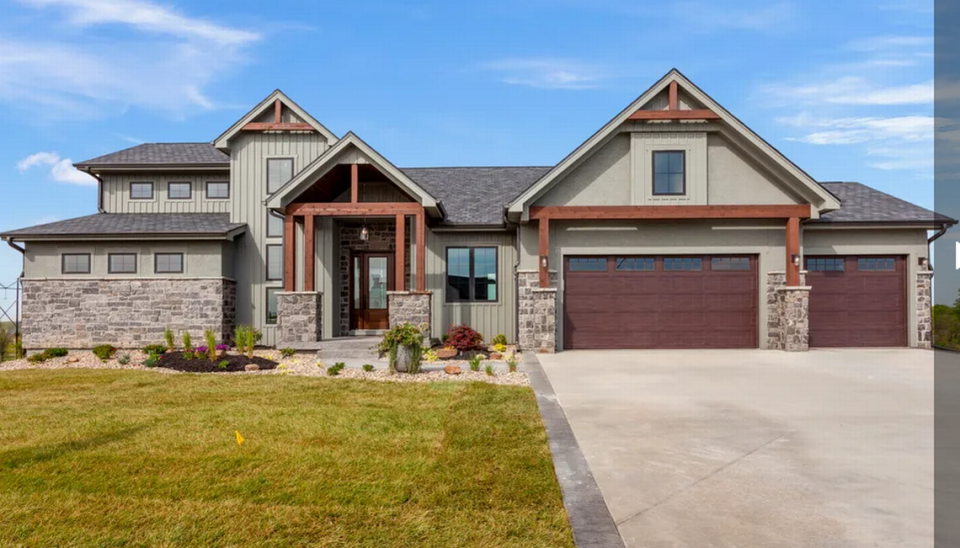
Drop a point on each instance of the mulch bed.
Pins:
(177, 361)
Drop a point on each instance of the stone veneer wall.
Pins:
(794, 312)
(777, 280)
(410, 306)
(124, 312)
(924, 309)
(537, 322)
(382, 236)
(299, 317)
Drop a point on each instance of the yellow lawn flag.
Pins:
(239, 438)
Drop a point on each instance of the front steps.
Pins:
(342, 348)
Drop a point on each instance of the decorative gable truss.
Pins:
(276, 113)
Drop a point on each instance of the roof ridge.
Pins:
(479, 167)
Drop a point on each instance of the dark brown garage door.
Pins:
(660, 302)
(857, 301)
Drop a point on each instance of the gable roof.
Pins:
(134, 225)
(475, 196)
(803, 180)
(161, 154)
(223, 140)
(317, 168)
(862, 204)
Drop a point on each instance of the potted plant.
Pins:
(403, 344)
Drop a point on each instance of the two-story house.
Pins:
(673, 226)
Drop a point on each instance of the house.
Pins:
(673, 226)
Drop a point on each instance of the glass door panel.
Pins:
(377, 283)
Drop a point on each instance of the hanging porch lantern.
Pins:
(364, 233)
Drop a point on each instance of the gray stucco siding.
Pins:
(116, 193)
(602, 179)
(201, 259)
(734, 178)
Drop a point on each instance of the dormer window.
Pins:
(669, 175)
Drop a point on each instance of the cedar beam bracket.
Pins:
(327, 209)
(544, 252)
(278, 126)
(669, 212)
(354, 183)
(697, 114)
(277, 110)
(672, 95)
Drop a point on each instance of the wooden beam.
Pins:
(277, 126)
(672, 95)
(277, 110)
(309, 255)
(701, 114)
(543, 260)
(400, 254)
(354, 184)
(289, 253)
(421, 252)
(793, 248)
(672, 212)
(366, 208)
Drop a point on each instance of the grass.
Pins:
(121, 458)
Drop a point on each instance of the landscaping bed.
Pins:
(188, 363)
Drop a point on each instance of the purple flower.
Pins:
(222, 348)
(200, 350)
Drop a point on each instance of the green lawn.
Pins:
(121, 458)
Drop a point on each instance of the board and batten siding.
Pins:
(248, 185)
(116, 193)
(490, 319)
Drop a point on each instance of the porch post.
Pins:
(793, 249)
(543, 260)
(289, 253)
(309, 252)
(421, 252)
(398, 270)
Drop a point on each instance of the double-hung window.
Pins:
(179, 191)
(471, 274)
(168, 263)
(669, 175)
(122, 263)
(141, 191)
(75, 263)
(218, 190)
(279, 171)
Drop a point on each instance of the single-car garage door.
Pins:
(857, 301)
(626, 301)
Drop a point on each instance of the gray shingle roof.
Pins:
(162, 154)
(475, 195)
(133, 224)
(862, 204)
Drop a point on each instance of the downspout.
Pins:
(516, 290)
(99, 189)
(935, 237)
(15, 246)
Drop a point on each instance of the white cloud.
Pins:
(885, 43)
(754, 18)
(546, 73)
(846, 131)
(853, 90)
(61, 170)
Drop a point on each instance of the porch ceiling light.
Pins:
(364, 233)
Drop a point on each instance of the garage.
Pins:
(857, 301)
(626, 302)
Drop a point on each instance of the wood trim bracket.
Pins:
(277, 111)
(365, 208)
(672, 95)
(277, 126)
(698, 114)
(801, 211)
(354, 183)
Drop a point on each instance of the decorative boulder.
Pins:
(73, 359)
(447, 353)
(452, 370)
(251, 367)
(496, 356)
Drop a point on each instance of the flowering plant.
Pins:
(223, 347)
(200, 350)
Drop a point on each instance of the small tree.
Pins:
(211, 341)
(187, 342)
(239, 337)
(251, 341)
(168, 337)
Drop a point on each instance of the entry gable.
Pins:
(676, 100)
(276, 112)
(351, 150)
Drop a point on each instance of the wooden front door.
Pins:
(371, 276)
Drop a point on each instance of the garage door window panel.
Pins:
(587, 264)
(876, 264)
(693, 264)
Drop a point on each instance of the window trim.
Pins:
(189, 189)
(266, 166)
(207, 190)
(653, 172)
(272, 213)
(63, 263)
(110, 257)
(156, 262)
(472, 299)
(266, 305)
(152, 190)
(266, 263)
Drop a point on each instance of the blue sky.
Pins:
(844, 89)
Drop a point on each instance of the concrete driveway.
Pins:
(756, 448)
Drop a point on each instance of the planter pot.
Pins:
(404, 358)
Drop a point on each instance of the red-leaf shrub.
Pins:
(464, 338)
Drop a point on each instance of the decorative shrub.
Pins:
(211, 340)
(56, 352)
(512, 363)
(464, 338)
(124, 359)
(287, 352)
(367, 367)
(187, 341)
(475, 362)
(406, 335)
(240, 337)
(104, 351)
(489, 369)
(430, 356)
(500, 348)
(38, 358)
(168, 336)
(152, 360)
(223, 364)
(335, 369)
(500, 339)
(251, 341)
(155, 349)
(188, 355)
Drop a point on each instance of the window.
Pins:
(274, 262)
(636, 263)
(279, 171)
(669, 178)
(730, 263)
(876, 264)
(179, 191)
(683, 263)
(825, 264)
(274, 224)
(272, 305)
(218, 190)
(587, 264)
(141, 191)
(122, 263)
(471, 274)
(168, 263)
(75, 263)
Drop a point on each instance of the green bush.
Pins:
(239, 337)
(56, 352)
(335, 369)
(155, 349)
(38, 358)
(500, 339)
(475, 362)
(287, 352)
(407, 335)
(489, 369)
(367, 367)
(124, 359)
(168, 336)
(6, 341)
(223, 364)
(104, 351)
(512, 363)
(187, 341)
(151, 361)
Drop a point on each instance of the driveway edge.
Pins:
(593, 526)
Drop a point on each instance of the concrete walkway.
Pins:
(756, 448)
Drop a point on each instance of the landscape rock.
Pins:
(452, 370)
(251, 367)
(447, 353)
(496, 356)
(72, 359)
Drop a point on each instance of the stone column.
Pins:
(777, 325)
(924, 309)
(794, 308)
(410, 307)
(299, 317)
(537, 329)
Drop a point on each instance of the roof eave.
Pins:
(99, 168)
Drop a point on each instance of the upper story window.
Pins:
(279, 171)
(218, 190)
(122, 263)
(168, 263)
(141, 191)
(274, 224)
(669, 175)
(471, 274)
(179, 191)
(75, 263)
